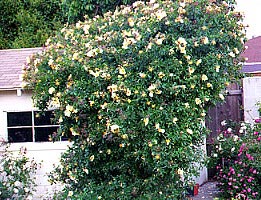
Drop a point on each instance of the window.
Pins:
(30, 126)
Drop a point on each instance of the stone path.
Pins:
(207, 191)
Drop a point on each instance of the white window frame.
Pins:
(33, 126)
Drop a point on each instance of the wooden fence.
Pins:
(231, 109)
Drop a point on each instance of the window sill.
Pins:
(39, 146)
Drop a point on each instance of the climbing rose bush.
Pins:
(237, 157)
(132, 89)
(17, 173)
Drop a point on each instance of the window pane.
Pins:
(20, 135)
(42, 133)
(19, 119)
(45, 118)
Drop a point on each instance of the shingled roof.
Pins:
(253, 52)
(11, 62)
(253, 55)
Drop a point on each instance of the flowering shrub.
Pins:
(132, 89)
(16, 173)
(238, 154)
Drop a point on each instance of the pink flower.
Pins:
(257, 120)
(249, 190)
(249, 157)
(241, 149)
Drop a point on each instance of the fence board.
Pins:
(231, 109)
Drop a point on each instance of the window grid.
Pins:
(33, 126)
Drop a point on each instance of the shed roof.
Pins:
(253, 55)
(11, 62)
(253, 52)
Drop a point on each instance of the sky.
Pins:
(252, 11)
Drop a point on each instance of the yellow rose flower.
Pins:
(70, 193)
(128, 92)
(92, 158)
(142, 75)
(191, 70)
(74, 133)
(91, 103)
(51, 90)
(231, 54)
(189, 131)
(180, 172)
(146, 121)
(204, 40)
(198, 101)
(115, 128)
(161, 130)
(131, 22)
(161, 75)
(108, 151)
(179, 19)
(175, 119)
(124, 136)
(198, 62)
(209, 85)
(221, 96)
(204, 28)
(160, 14)
(75, 56)
(204, 77)
(217, 68)
(159, 41)
(122, 71)
(150, 69)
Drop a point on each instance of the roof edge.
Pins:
(22, 49)
(10, 88)
(252, 63)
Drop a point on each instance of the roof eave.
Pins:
(10, 88)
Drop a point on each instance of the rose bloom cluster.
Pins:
(132, 88)
(237, 158)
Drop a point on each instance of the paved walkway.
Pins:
(207, 191)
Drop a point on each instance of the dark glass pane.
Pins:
(66, 138)
(19, 119)
(45, 118)
(42, 134)
(20, 135)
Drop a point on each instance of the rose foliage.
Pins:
(16, 174)
(132, 89)
(237, 157)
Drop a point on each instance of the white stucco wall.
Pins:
(46, 152)
(251, 95)
(203, 176)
